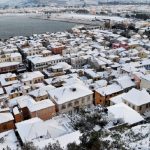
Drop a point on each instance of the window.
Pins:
(146, 105)
(76, 102)
(70, 105)
(63, 107)
(140, 108)
(82, 100)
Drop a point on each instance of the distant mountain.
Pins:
(25, 3)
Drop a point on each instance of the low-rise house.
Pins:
(71, 98)
(133, 44)
(9, 48)
(57, 70)
(137, 78)
(97, 63)
(8, 79)
(62, 66)
(116, 99)
(17, 114)
(4, 58)
(124, 113)
(37, 130)
(22, 103)
(41, 93)
(14, 90)
(12, 57)
(40, 63)
(63, 80)
(44, 109)
(46, 53)
(30, 78)
(92, 74)
(78, 61)
(137, 100)
(57, 48)
(6, 67)
(15, 57)
(10, 140)
(143, 54)
(125, 82)
(121, 44)
(31, 50)
(102, 95)
(145, 82)
(6, 121)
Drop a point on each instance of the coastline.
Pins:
(19, 14)
(67, 20)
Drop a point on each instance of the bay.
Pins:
(25, 25)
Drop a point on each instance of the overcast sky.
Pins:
(19, 1)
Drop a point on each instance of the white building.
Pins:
(71, 98)
(124, 112)
(137, 100)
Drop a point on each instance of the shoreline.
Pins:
(69, 21)
(18, 14)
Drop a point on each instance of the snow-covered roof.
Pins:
(137, 97)
(101, 83)
(3, 79)
(30, 129)
(7, 64)
(62, 65)
(22, 101)
(27, 76)
(68, 93)
(122, 111)
(125, 82)
(38, 93)
(40, 105)
(5, 117)
(37, 60)
(117, 99)
(37, 130)
(109, 89)
(91, 73)
(15, 55)
(10, 140)
(15, 110)
(63, 140)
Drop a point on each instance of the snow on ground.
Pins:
(141, 136)
(87, 17)
(9, 139)
(63, 140)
